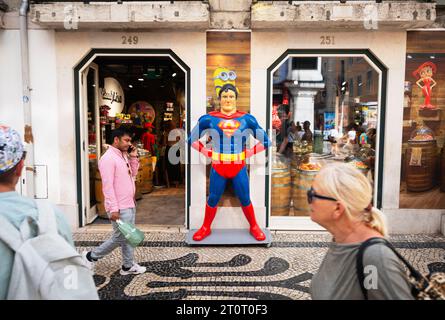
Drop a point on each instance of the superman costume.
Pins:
(229, 135)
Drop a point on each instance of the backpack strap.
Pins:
(47, 219)
(359, 262)
(9, 234)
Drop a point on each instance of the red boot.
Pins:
(254, 228)
(205, 230)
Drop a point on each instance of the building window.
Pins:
(304, 63)
(422, 184)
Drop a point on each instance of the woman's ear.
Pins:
(338, 211)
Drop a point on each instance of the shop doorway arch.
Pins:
(80, 139)
(379, 67)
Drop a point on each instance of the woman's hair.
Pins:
(350, 187)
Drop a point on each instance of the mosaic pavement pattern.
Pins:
(283, 271)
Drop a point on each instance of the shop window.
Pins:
(323, 120)
(423, 157)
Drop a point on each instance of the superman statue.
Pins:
(229, 131)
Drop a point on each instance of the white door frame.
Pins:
(91, 212)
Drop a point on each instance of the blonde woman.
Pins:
(340, 201)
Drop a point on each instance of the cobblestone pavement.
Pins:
(282, 271)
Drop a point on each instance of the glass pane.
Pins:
(322, 112)
(422, 184)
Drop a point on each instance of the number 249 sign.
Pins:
(132, 40)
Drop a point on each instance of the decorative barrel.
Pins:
(442, 171)
(281, 191)
(295, 163)
(138, 182)
(100, 205)
(302, 184)
(420, 165)
(146, 183)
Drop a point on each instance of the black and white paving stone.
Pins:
(282, 271)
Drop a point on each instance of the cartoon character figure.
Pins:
(148, 138)
(229, 130)
(426, 82)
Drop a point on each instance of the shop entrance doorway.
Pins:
(147, 93)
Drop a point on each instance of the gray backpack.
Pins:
(46, 267)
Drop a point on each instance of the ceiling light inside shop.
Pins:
(433, 57)
(141, 79)
(410, 57)
(130, 86)
(174, 75)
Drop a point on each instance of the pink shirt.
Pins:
(118, 184)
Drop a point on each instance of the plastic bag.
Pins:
(133, 235)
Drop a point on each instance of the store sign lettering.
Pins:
(113, 96)
(123, 116)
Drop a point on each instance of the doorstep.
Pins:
(179, 229)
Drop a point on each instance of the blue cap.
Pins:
(11, 148)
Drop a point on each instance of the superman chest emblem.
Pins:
(229, 126)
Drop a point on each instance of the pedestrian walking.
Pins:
(340, 200)
(118, 168)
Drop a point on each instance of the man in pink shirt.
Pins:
(118, 168)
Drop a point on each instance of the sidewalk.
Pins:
(283, 271)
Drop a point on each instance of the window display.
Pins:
(321, 115)
(421, 184)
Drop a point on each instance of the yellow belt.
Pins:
(228, 156)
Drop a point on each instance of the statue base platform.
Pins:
(229, 237)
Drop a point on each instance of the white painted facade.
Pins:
(53, 55)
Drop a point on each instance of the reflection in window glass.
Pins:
(319, 119)
(351, 86)
(359, 85)
(368, 81)
(423, 159)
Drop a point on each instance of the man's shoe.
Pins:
(135, 269)
(87, 262)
